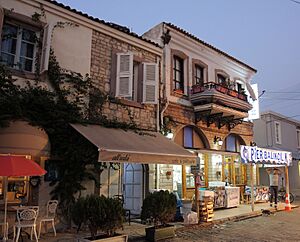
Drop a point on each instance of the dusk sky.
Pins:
(264, 34)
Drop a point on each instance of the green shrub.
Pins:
(159, 206)
(98, 213)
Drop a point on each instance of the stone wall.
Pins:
(104, 48)
(183, 116)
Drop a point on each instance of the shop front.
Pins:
(218, 163)
(145, 160)
(267, 158)
(22, 139)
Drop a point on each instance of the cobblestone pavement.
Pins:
(281, 226)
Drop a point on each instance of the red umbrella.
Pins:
(16, 166)
(19, 166)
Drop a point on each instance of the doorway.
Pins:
(134, 187)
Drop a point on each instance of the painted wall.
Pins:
(264, 136)
(71, 44)
(195, 50)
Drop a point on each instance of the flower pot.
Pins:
(163, 232)
(104, 238)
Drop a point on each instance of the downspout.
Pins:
(163, 67)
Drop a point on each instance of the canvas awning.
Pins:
(118, 145)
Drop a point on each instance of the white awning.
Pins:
(118, 145)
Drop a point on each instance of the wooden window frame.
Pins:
(179, 93)
(17, 56)
(197, 63)
(180, 70)
(224, 74)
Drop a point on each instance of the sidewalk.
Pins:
(136, 230)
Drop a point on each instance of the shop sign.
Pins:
(121, 157)
(253, 154)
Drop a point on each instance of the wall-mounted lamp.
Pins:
(169, 135)
(218, 140)
(252, 143)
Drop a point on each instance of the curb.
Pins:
(230, 219)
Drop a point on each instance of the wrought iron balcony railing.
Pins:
(222, 89)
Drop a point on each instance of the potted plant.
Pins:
(159, 207)
(99, 213)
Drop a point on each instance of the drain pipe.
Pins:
(166, 38)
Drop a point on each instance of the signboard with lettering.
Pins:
(254, 154)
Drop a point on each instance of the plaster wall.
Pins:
(71, 44)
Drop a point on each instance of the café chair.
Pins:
(50, 216)
(26, 218)
(6, 228)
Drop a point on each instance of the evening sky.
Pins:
(264, 34)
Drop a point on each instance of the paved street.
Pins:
(281, 226)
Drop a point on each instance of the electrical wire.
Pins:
(295, 1)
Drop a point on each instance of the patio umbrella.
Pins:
(16, 166)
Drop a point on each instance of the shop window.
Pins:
(135, 80)
(17, 189)
(190, 180)
(178, 74)
(177, 179)
(277, 133)
(188, 137)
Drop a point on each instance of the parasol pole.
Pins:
(5, 238)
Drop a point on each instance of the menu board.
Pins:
(232, 196)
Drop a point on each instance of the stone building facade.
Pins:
(207, 98)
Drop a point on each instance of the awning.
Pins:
(118, 145)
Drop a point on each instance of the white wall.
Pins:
(72, 45)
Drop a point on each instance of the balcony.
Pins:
(214, 93)
(222, 105)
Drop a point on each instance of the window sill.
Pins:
(128, 102)
(178, 93)
(23, 74)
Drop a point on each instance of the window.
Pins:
(188, 137)
(199, 75)
(298, 138)
(18, 47)
(277, 133)
(178, 74)
(135, 80)
(239, 88)
(221, 79)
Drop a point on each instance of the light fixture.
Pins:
(170, 135)
(218, 140)
(252, 143)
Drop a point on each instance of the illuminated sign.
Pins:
(253, 154)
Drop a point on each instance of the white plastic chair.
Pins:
(50, 216)
(26, 218)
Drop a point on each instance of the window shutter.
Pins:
(150, 83)
(46, 48)
(1, 21)
(1, 24)
(124, 75)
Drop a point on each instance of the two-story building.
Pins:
(206, 95)
(279, 132)
(120, 63)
